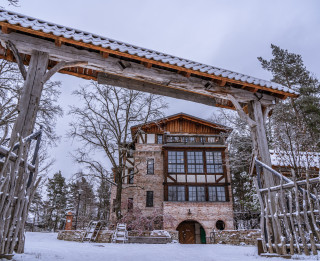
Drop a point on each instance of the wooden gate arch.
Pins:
(47, 48)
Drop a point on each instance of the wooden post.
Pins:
(30, 98)
(259, 139)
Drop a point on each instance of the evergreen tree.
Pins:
(36, 211)
(57, 202)
(86, 201)
(240, 157)
(296, 121)
(103, 196)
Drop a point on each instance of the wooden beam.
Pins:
(105, 55)
(58, 42)
(5, 29)
(30, 99)
(223, 82)
(133, 84)
(18, 59)
(61, 65)
(147, 65)
(141, 59)
(158, 77)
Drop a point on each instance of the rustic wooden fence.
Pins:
(290, 214)
(17, 187)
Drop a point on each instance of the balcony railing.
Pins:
(193, 139)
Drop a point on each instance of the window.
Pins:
(195, 161)
(159, 139)
(131, 176)
(217, 193)
(175, 162)
(176, 193)
(197, 193)
(149, 201)
(150, 166)
(114, 205)
(214, 162)
(220, 225)
(130, 204)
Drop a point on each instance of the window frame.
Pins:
(197, 193)
(216, 179)
(214, 163)
(160, 135)
(130, 176)
(148, 169)
(195, 163)
(149, 199)
(176, 198)
(176, 163)
(218, 197)
(130, 204)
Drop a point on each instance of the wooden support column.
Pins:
(30, 99)
(259, 138)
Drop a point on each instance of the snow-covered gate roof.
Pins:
(17, 22)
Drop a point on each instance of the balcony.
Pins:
(194, 139)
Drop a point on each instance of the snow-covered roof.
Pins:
(14, 18)
(302, 159)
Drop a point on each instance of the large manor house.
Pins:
(179, 166)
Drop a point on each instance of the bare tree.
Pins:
(103, 125)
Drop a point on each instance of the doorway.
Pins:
(191, 232)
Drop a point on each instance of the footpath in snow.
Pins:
(46, 246)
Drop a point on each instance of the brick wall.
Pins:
(206, 213)
(144, 182)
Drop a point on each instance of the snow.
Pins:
(46, 246)
(302, 159)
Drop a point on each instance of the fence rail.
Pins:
(290, 213)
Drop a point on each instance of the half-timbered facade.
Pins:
(179, 166)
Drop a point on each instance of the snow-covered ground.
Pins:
(45, 246)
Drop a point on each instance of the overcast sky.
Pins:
(227, 34)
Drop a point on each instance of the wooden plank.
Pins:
(286, 222)
(301, 232)
(268, 225)
(306, 221)
(310, 203)
(262, 218)
(297, 245)
(281, 236)
(271, 205)
(134, 57)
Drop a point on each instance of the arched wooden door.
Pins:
(187, 232)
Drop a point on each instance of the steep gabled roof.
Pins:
(48, 30)
(185, 116)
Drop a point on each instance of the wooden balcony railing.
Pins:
(193, 139)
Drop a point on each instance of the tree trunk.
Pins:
(118, 181)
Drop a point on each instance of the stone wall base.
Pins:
(236, 237)
(105, 236)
